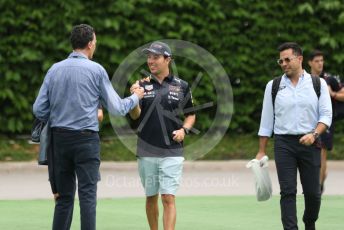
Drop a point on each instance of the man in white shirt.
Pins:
(296, 116)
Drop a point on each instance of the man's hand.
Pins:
(307, 139)
(178, 135)
(146, 79)
(56, 195)
(260, 155)
(135, 86)
(139, 92)
(100, 115)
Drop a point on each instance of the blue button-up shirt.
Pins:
(297, 108)
(71, 93)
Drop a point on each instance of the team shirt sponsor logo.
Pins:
(148, 94)
(177, 80)
(173, 92)
(148, 87)
(174, 88)
(149, 91)
(172, 98)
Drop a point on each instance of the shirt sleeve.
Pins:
(41, 107)
(111, 100)
(188, 102)
(325, 106)
(267, 118)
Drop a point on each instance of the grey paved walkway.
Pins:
(30, 181)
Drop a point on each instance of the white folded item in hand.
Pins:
(263, 185)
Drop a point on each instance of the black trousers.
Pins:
(290, 155)
(76, 154)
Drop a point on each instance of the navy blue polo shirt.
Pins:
(162, 111)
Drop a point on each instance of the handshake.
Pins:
(135, 88)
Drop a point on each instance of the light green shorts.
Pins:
(160, 175)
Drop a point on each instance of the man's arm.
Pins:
(179, 135)
(111, 100)
(325, 106)
(41, 107)
(335, 89)
(339, 96)
(267, 118)
(325, 115)
(100, 115)
(189, 121)
(190, 118)
(263, 142)
(266, 122)
(309, 139)
(135, 112)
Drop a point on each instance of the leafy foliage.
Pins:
(242, 35)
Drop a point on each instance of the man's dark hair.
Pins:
(315, 53)
(291, 45)
(81, 35)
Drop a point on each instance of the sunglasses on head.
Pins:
(286, 60)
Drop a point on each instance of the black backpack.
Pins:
(276, 83)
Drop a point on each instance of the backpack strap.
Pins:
(274, 90)
(316, 85)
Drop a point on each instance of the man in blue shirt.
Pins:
(297, 119)
(69, 98)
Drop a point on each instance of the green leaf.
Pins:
(306, 8)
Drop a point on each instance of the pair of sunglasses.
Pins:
(286, 60)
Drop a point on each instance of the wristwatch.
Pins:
(315, 135)
(186, 130)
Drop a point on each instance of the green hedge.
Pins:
(241, 34)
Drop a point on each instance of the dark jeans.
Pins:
(290, 155)
(76, 154)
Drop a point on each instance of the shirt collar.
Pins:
(303, 75)
(75, 54)
(168, 78)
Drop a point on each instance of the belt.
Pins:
(63, 130)
(291, 135)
